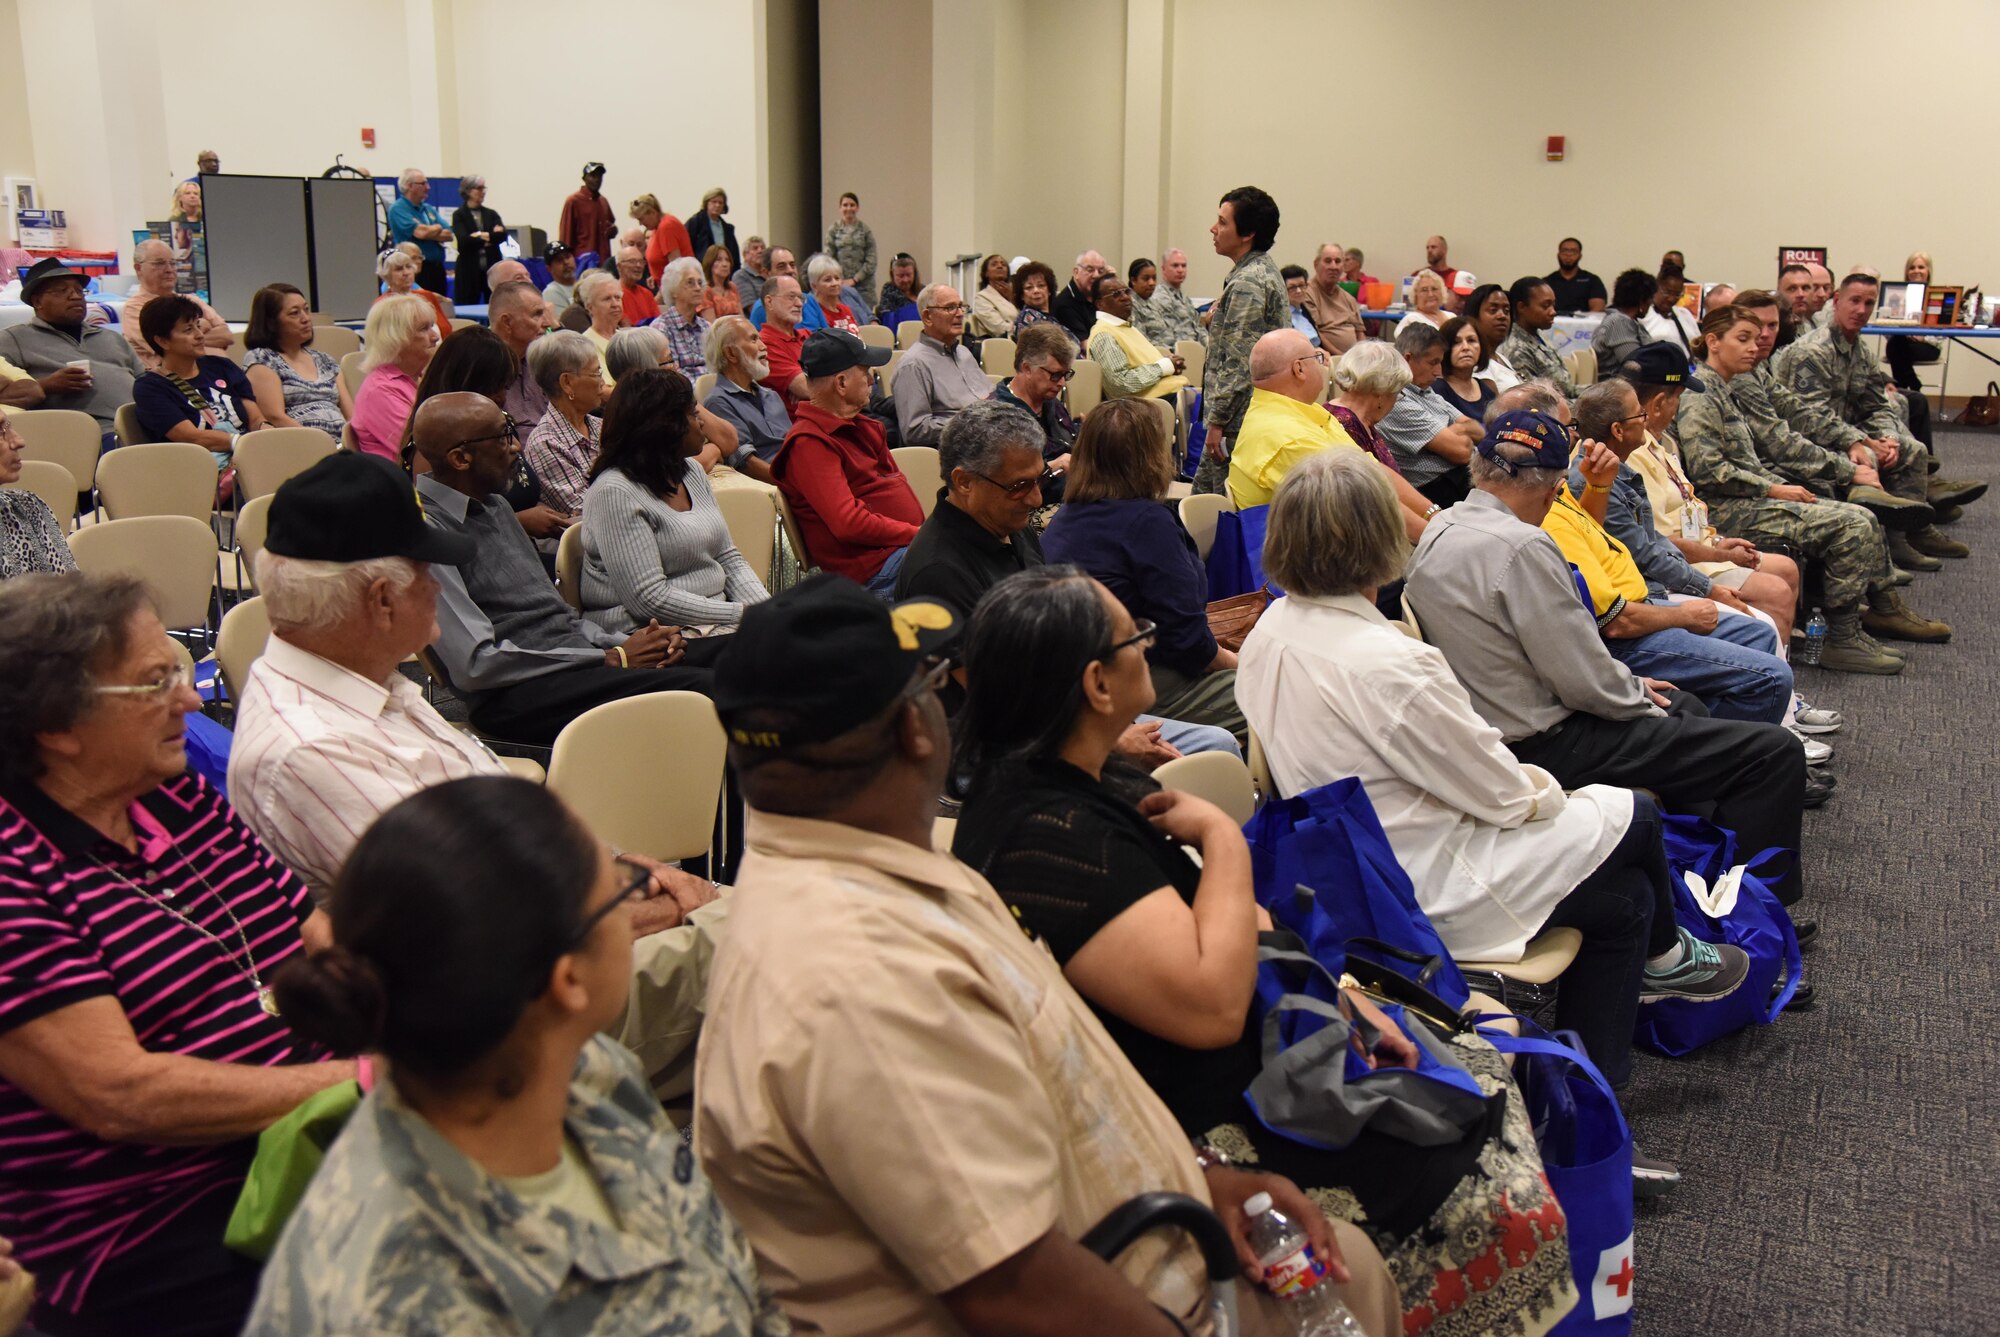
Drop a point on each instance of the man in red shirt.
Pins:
(784, 341)
(854, 508)
(640, 306)
(587, 222)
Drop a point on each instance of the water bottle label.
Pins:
(1295, 1273)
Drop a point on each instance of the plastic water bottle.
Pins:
(1295, 1274)
(1815, 639)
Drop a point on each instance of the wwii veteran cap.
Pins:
(1659, 364)
(1548, 438)
(352, 507)
(830, 352)
(826, 654)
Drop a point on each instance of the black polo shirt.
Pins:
(1573, 295)
(1074, 310)
(955, 559)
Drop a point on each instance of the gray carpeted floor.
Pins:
(1840, 1164)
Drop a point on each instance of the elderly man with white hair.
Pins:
(735, 353)
(412, 219)
(153, 263)
(1072, 307)
(938, 376)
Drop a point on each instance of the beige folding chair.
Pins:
(907, 333)
(237, 352)
(266, 459)
(1199, 514)
(252, 521)
(65, 437)
(885, 375)
(239, 641)
(1195, 356)
(174, 554)
(157, 478)
(569, 566)
(751, 514)
(336, 341)
(1524, 985)
(53, 484)
(878, 336)
(1086, 387)
(350, 372)
(1260, 770)
(789, 524)
(1219, 777)
(1582, 366)
(703, 385)
(996, 356)
(920, 466)
(349, 441)
(645, 773)
(125, 422)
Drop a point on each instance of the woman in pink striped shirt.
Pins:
(140, 925)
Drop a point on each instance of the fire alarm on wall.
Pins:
(1555, 148)
(368, 137)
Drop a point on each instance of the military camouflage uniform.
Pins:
(1839, 378)
(853, 244)
(401, 1233)
(1723, 464)
(1534, 360)
(1167, 317)
(1773, 414)
(1253, 303)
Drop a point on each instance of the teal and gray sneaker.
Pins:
(1707, 971)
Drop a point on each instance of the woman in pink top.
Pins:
(400, 337)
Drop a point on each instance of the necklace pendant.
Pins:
(267, 1001)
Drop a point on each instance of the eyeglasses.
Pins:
(171, 681)
(936, 670)
(641, 878)
(1016, 491)
(1318, 355)
(952, 310)
(1057, 375)
(1144, 633)
(508, 432)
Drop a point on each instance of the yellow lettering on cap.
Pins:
(913, 617)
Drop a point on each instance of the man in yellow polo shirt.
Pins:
(1287, 419)
(1725, 661)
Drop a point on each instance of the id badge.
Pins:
(1694, 521)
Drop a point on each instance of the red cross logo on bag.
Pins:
(1611, 1293)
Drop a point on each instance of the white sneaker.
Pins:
(1811, 719)
(1817, 753)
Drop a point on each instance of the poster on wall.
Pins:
(1802, 255)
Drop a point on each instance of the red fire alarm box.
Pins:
(368, 137)
(1555, 148)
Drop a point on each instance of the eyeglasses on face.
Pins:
(508, 432)
(1016, 491)
(1057, 375)
(163, 686)
(1143, 633)
(641, 878)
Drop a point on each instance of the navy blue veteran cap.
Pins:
(1659, 364)
(830, 352)
(1544, 435)
(822, 657)
(355, 507)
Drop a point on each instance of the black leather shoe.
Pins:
(1807, 931)
(1802, 997)
(1819, 788)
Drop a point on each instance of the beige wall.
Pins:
(17, 140)
(875, 123)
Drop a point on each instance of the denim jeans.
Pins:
(1734, 670)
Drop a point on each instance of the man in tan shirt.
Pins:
(1329, 306)
(899, 1097)
(153, 262)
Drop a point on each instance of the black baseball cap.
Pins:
(593, 169)
(821, 658)
(830, 352)
(556, 251)
(1659, 364)
(47, 271)
(1544, 435)
(352, 507)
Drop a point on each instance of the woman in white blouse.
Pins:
(1496, 850)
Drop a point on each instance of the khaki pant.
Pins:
(1208, 699)
(664, 1013)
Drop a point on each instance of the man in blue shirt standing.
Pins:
(410, 219)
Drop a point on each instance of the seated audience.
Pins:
(1044, 362)
(1090, 857)
(1287, 419)
(194, 396)
(1165, 315)
(1576, 289)
(476, 360)
(1492, 317)
(1464, 384)
(631, 350)
(522, 659)
(505, 271)
(561, 289)
(655, 546)
(154, 267)
(397, 344)
(636, 298)
(1351, 268)
(898, 302)
(1118, 526)
(782, 303)
(31, 539)
(1034, 289)
(1622, 330)
(141, 1051)
(748, 280)
(1492, 591)
(1331, 308)
(482, 944)
(938, 376)
(720, 298)
(854, 509)
(519, 314)
(296, 385)
(398, 271)
(563, 446)
(783, 266)
(1667, 320)
(824, 309)
(1532, 304)
(1296, 282)
(1427, 302)
(737, 356)
(1432, 440)
(1131, 364)
(476, 232)
(48, 347)
(993, 308)
(860, 960)
(680, 318)
(1368, 383)
(1496, 850)
(602, 308)
(1072, 307)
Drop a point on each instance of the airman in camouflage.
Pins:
(1534, 360)
(401, 1232)
(1167, 317)
(1253, 303)
(1769, 409)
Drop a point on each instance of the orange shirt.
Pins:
(719, 302)
(437, 307)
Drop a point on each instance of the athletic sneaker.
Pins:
(1651, 1178)
(1808, 718)
(1707, 971)
(1817, 753)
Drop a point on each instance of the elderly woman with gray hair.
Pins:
(563, 446)
(477, 231)
(824, 310)
(1366, 383)
(680, 320)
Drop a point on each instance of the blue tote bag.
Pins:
(1587, 1154)
(1236, 559)
(1325, 871)
(1758, 924)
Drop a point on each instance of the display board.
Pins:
(255, 232)
(342, 211)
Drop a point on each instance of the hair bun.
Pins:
(334, 997)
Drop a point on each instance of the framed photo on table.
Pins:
(1941, 304)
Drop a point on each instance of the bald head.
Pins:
(506, 271)
(1284, 362)
(153, 263)
(464, 438)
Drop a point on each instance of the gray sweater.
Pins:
(39, 348)
(642, 559)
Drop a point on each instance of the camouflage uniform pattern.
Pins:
(1727, 472)
(401, 1233)
(1533, 360)
(1167, 317)
(1253, 303)
(1781, 445)
(853, 244)
(1830, 372)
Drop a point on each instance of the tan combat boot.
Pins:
(1933, 542)
(1849, 649)
(1905, 555)
(1894, 512)
(1888, 616)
